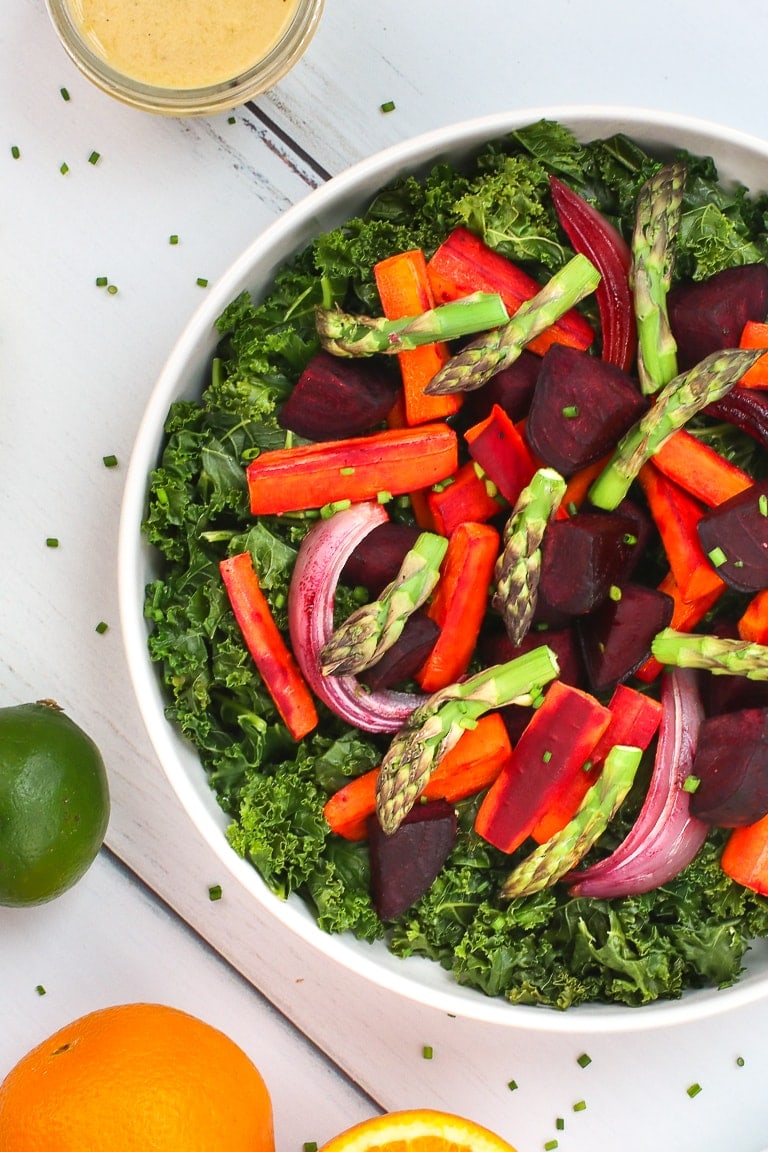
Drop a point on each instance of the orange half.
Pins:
(417, 1130)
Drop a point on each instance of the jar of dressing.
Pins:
(185, 57)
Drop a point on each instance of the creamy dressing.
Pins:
(182, 43)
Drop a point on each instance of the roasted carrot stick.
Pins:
(464, 264)
(395, 461)
(264, 641)
(699, 469)
(404, 290)
(753, 623)
(460, 603)
(470, 766)
(745, 856)
(755, 335)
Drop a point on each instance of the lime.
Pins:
(54, 803)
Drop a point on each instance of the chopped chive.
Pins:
(739, 1061)
(586, 766)
(584, 1060)
(547, 756)
(571, 508)
(40, 989)
(383, 497)
(691, 783)
(309, 1146)
(15, 151)
(580, 1106)
(570, 411)
(335, 506)
(65, 94)
(52, 542)
(112, 289)
(64, 168)
(614, 593)
(231, 120)
(349, 471)
(551, 1144)
(109, 461)
(717, 556)
(173, 238)
(214, 892)
(102, 627)
(388, 106)
(560, 1124)
(693, 1090)
(101, 281)
(512, 1085)
(762, 504)
(94, 158)
(201, 282)
(427, 1052)
(629, 538)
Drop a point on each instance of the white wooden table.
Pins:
(76, 367)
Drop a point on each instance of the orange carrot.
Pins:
(471, 766)
(360, 468)
(686, 614)
(699, 469)
(676, 514)
(753, 622)
(464, 263)
(404, 290)
(469, 496)
(755, 335)
(745, 856)
(460, 603)
(264, 641)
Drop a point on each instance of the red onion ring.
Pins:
(322, 555)
(665, 837)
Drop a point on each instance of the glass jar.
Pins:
(187, 96)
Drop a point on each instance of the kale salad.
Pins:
(554, 944)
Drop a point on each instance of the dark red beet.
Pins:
(745, 408)
(581, 407)
(405, 863)
(336, 397)
(707, 315)
(731, 765)
(581, 558)
(641, 534)
(512, 389)
(376, 560)
(721, 694)
(616, 638)
(734, 535)
(407, 654)
(497, 648)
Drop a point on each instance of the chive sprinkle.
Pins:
(739, 1061)
(584, 1060)
(15, 151)
(427, 1052)
(691, 783)
(560, 1123)
(40, 989)
(201, 282)
(52, 542)
(101, 281)
(65, 94)
(94, 158)
(551, 1144)
(762, 504)
(580, 1106)
(546, 756)
(693, 1090)
(717, 556)
(64, 168)
(214, 892)
(173, 238)
(231, 120)
(109, 461)
(102, 627)
(309, 1146)
(614, 593)
(112, 289)
(388, 106)
(512, 1085)
(570, 411)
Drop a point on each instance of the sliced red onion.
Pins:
(323, 553)
(665, 837)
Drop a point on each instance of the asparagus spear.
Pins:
(488, 354)
(722, 657)
(657, 222)
(563, 851)
(372, 629)
(517, 571)
(437, 725)
(684, 396)
(345, 334)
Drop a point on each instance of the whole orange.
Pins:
(136, 1078)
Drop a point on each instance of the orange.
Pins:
(136, 1078)
(417, 1130)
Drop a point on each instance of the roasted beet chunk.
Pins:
(616, 638)
(512, 389)
(707, 315)
(734, 536)
(334, 397)
(400, 662)
(580, 408)
(377, 558)
(731, 767)
(405, 863)
(581, 558)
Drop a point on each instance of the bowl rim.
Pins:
(589, 120)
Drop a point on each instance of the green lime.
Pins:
(54, 803)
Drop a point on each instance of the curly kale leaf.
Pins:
(339, 888)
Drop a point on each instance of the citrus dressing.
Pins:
(182, 43)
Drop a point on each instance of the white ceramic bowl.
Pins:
(738, 156)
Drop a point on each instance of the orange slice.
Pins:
(417, 1130)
